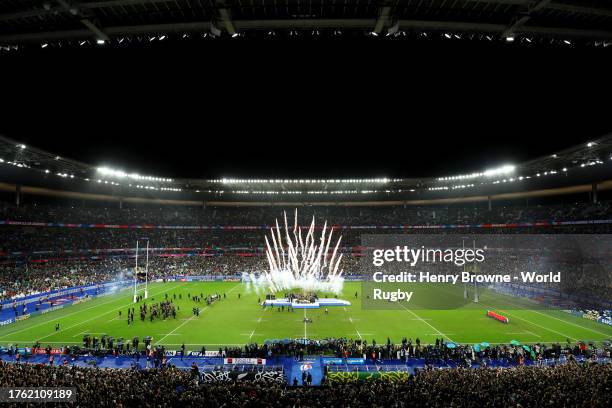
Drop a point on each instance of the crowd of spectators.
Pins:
(25, 238)
(32, 278)
(567, 385)
(436, 353)
(22, 240)
(37, 258)
(335, 215)
(19, 279)
(440, 353)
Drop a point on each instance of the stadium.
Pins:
(293, 203)
(105, 268)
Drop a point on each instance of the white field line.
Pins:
(61, 317)
(83, 332)
(258, 321)
(532, 323)
(190, 319)
(93, 318)
(563, 321)
(178, 327)
(429, 324)
(350, 319)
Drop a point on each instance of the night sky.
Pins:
(306, 109)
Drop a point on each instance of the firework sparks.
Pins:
(301, 261)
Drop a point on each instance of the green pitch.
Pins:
(237, 321)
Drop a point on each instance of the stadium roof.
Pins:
(586, 163)
(103, 21)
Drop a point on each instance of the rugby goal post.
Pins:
(141, 288)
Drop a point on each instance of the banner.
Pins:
(332, 361)
(208, 353)
(54, 308)
(240, 360)
(57, 299)
(267, 227)
(44, 351)
(275, 376)
(342, 377)
(342, 361)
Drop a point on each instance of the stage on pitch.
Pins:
(324, 302)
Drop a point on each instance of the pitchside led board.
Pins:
(496, 271)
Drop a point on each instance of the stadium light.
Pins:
(135, 176)
(506, 169)
(100, 42)
(380, 180)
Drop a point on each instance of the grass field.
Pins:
(234, 321)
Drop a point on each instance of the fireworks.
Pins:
(301, 260)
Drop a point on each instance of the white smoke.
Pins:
(298, 262)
